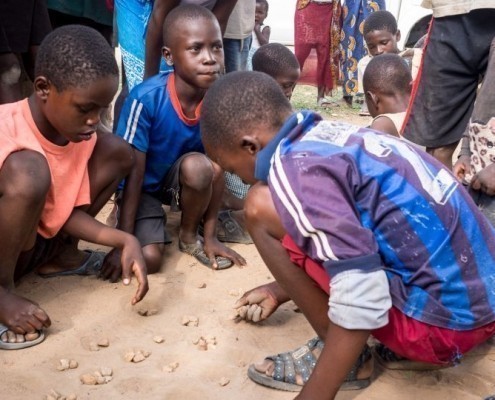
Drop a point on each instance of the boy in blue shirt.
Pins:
(363, 232)
(160, 119)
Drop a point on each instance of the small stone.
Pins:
(223, 381)
(55, 394)
(171, 367)
(185, 320)
(147, 313)
(138, 357)
(73, 364)
(129, 356)
(146, 353)
(93, 346)
(63, 364)
(158, 339)
(88, 379)
(103, 342)
(201, 285)
(196, 341)
(234, 292)
(72, 396)
(106, 371)
(193, 321)
(202, 345)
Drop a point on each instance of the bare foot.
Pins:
(23, 317)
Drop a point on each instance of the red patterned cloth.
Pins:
(317, 38)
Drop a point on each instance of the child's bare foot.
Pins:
(23, 318)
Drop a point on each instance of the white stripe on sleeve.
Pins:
(294, 207)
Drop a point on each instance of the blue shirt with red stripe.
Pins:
(152, 121)
(356, 200)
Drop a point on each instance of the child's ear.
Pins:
(373, 99)
(250, 144)
(42, 87)
(167, 55)
(398, 35)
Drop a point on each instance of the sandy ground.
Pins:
(85, 310)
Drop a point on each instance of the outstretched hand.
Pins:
(132, 262)
(257, 304)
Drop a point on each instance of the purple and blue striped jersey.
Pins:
(355, 199)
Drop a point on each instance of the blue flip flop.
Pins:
(91, 266)
(18, 346)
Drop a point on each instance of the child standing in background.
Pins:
(261, 32)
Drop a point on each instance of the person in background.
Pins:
(261, 32)
(455, 56)
(317, 27)
(23, 25)
(355, 13)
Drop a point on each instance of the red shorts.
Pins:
(406, 336)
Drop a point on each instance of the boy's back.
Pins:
(367, 181)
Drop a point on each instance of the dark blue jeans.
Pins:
(236, 53)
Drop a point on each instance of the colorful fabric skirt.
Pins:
(132, 18)
(354, 13)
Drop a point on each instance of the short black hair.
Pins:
(239, 101)
(265, 2)
(75, 56)
(388, 74)
(181, 14)
(380, 21)
(274, 59)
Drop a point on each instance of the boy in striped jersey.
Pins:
(160, 119)
(364, 233)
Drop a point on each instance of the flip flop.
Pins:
(325, 103)
(302, 362)
(197, 251)
(91, 266)
(232, 230)
(18, 346)
(386, 358)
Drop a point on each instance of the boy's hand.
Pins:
(462, 168)
(257, 304)
(133, 263)
(214, 248)
(112, 269)
(485, 180)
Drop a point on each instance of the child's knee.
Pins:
(196, 172)
(26, 176)
(255, 205)
(116, 151)
(153, 256)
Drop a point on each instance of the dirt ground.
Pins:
(85, 311)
